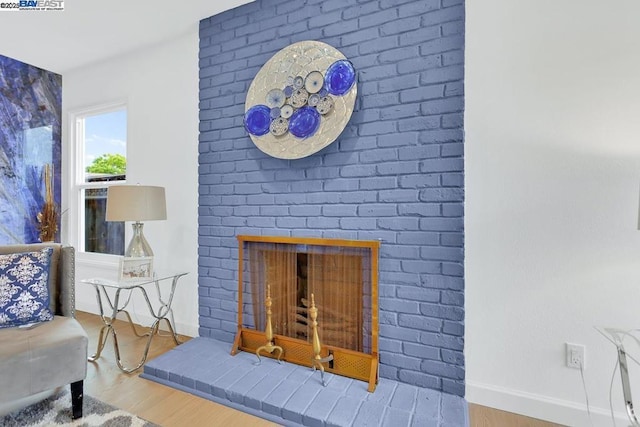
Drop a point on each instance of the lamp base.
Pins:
(138, 246)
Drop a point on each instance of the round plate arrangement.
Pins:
(301, 100)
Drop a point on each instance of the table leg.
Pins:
(108, 323)
(152, 331)
(102, 339)
(172, 329)
(626, 386)
(109, 329)
(133, 327)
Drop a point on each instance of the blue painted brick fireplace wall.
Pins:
(396, 173)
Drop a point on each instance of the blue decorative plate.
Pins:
(340, 77)
(288, 91)
(314, 82)
(286, 111)
(304, 122)
(313, 100)
(275, 98)
(257, 120)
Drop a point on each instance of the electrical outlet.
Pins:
(575, 356)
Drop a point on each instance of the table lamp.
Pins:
(136, 203)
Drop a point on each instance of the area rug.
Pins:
(56, 411)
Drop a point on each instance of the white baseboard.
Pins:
(539, 406)
(142, 319)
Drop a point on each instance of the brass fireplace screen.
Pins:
(343, 277)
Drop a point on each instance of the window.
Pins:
(100, 137)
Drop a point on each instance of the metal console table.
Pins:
(117, 303)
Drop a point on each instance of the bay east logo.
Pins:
(31, 5)
(41, 4)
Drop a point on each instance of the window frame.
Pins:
(77, 184)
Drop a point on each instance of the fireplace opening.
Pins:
(342, 277)
(302, 300)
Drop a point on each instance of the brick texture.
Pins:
(396, 172)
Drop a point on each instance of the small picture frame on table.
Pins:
(135, 269)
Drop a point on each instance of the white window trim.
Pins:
(77, 183)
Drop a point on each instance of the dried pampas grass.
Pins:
(48, 218)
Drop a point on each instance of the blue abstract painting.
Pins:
(30, 142)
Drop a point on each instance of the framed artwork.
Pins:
(30, 153)
(135, 269)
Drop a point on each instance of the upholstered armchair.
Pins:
(37, 358)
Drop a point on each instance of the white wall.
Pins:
(552, 176)
(160, 85)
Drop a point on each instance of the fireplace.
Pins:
(339, 275)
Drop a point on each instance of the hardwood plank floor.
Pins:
(155, 402)
(169, 407)
(481, 416)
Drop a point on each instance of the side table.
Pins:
(617, 337)
(117, 303)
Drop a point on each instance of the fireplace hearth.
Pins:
(292, 395)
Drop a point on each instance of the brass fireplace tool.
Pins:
(317, 359)
(269, 347)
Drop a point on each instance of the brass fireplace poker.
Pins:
(269, 347)
(317, 360)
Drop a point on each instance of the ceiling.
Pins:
(89, 31)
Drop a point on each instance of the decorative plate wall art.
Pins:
(301, 100)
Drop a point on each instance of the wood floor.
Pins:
(157, 403)
(169, 407)
(481, 416)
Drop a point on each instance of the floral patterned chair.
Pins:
(41, 348)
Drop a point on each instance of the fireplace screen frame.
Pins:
(361, 365)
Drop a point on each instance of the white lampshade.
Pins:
(136, 203)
